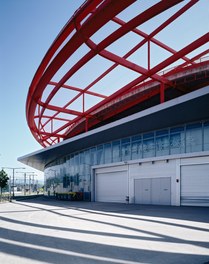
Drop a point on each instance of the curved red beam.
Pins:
(49, 122)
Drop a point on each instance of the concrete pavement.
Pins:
(48, 231)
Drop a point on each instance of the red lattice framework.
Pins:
(57, 109)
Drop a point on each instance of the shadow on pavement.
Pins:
(47, 248)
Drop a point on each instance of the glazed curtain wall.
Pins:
(72, 173)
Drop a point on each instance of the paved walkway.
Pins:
(48, 231)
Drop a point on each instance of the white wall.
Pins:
(155, 168)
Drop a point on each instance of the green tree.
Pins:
(3, 180)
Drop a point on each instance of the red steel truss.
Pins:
(56, 108)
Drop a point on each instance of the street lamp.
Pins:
(31, 185)
(25, 172)
(13, 177)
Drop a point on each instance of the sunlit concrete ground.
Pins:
(49, 231)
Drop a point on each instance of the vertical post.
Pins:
(148, 55)
(29, 184)
(13, 183)
(83, 101)
(24, 183)
(10, 195)
(33, 183)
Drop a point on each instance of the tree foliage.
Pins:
(3, 179)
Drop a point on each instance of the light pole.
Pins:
(13, 178)
(32, 174)
(33, 181)
(25, 173)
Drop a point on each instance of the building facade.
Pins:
(121, 106)
(166, 162)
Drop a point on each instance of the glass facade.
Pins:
(73, 172)
(177, 140)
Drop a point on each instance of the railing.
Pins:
(203, 59)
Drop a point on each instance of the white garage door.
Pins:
(153, 191)
(111, 187)
(195, 185)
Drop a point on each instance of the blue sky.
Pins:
(28, 27)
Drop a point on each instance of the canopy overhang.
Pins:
(188, 108)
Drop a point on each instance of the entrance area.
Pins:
(153, 191)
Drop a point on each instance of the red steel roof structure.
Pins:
(109, 61)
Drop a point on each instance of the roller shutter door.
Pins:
(111, 187)
(195, 185)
